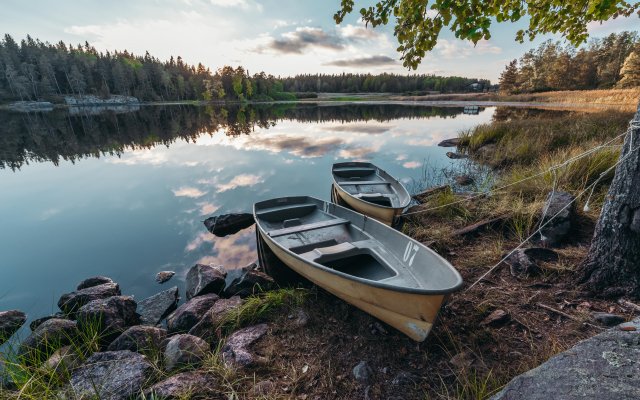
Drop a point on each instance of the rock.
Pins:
(486, 152)
(453, 142)
(497, 317)
(608, 319)
(49, 336)
(63, 361)
(300, 318)
(10, 322)
(464, 180)
(202, 279)
(186, 385)
(111, 375)
(184, 350)
(521, 264)
(603, 367)
(362, 372)
(163, 276)
(558, 229)
(206, 328)
(235, 352)
(190, 313)
(249, 282)
(154, 309)
(111, 316)
(94, 281)
(140, 338)
(456, 156)
(228, 224)
(38, 321)
(404, 378)
(263, 388)
(71, 302)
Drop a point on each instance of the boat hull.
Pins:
(386, 215)
(411, 313)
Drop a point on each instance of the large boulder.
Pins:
(228, 224)
(203, 279)
(184, 350)
(94, 281)
(603, 367)
(247, 281)
(236, 351)
(140, 338)
(48, 337)
(33, 325)
(10, 322)
(111, 316)
(453, 142)
(206, 328)
(111, 375)
(71, 302)
(559, 211)
(194, 385)
(154, 309)
(63, 361)
(190, 313)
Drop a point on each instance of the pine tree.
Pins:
(509, 78)
(630, 71)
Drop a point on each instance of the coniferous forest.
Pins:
(605, 63)
(36, 70)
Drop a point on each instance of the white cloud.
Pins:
(188, 191)
(412, 164)
(208, 208)
(243, 4)
(240, 181)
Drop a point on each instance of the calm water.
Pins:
(123, 195)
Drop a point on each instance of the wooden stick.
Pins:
(431, 191)
(571, 317)
(486, 223)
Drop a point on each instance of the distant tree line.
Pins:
(609, 62)
(383, 83)
(36, 70)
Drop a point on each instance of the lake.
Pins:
(124, 194)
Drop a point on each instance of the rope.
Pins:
(590, 187)
(551, 169)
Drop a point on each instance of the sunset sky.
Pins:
(281, 37)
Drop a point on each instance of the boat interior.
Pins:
(366, 182)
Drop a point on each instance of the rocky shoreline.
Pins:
(131, 335)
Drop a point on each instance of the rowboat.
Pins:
(362, 261)
(369, 190)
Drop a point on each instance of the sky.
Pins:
(280, 37)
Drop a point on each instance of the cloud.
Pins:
(207, 208)
(357, 32)
(242, 4)
(232, 251)
(358, 153)
(144, 156)
(363, 62)
(186, 191)
(239, 181)
(303, 38)
(412, 164)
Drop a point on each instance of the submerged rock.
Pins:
(190, 313)
(560, 210)
(464, 180)
(184, 350)
(202, 279)
(10, 322)
(228, 224)
(456, 156)
(236, 351)
(111, 375)
(208, 325)
(49, 336)
(163, 276)
(112, 316)
(194, 385)
(154, 309)
(94, 281)
(71, 302)
(140, 339)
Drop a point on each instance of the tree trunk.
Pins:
(612, 267)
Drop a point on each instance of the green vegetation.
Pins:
(418, 24)
(612, 61)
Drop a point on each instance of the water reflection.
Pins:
(124, 194)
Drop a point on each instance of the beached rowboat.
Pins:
(364, 262)
(369, 190)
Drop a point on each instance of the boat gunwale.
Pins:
(403, 289)
(408, 200)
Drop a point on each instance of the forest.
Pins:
(605, 63)
(36, 70)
